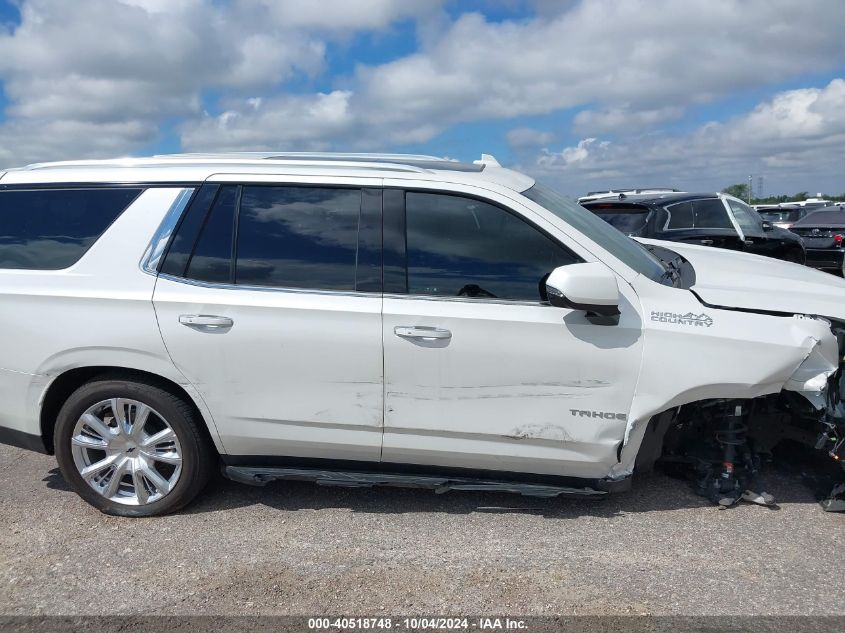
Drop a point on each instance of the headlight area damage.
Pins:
(725, 440)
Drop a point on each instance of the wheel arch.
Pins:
(63, 385)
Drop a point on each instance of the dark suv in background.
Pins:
(709, 219)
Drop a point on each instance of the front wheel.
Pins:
(132, 449)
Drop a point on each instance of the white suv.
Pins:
(381, 319)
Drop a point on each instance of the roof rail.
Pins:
(417, 163)
(328, 156)
(165, 161)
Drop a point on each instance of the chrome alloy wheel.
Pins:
(126, 451)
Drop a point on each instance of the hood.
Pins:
(733, 279)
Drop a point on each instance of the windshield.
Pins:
(629, 251)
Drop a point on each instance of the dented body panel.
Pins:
(508, 390)
(737, 355)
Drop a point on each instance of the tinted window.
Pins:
(182, 245)
(51, 229)
(629, 251)
(459, 247)
(709, 213)
(680, 216)
(212, 257)
(298, 237)
(745, 216)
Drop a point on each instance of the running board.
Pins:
(440, 484)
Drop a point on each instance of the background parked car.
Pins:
(823, 232)
(783, 216)
(786, 214)
(709, 219)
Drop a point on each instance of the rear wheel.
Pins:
(132, 449)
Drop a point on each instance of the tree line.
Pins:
(740, 191)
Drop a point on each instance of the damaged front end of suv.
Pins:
(762, 382)
(802, 428)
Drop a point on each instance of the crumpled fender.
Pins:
(811, 377)
(743, 356)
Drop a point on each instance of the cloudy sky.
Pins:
(585, 94)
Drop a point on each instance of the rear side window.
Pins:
(51, 229)
(278, 236)
(709, 213)
(298, 237)
(211, 259)
(462, 247)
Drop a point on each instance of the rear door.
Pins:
(704, 221)
(270, 305)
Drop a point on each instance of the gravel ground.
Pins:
(294, 548)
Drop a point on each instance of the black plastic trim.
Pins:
(773, 313)
(28, 441)
(101, 185)
(394, 242)
(369, 273)
(280, 461)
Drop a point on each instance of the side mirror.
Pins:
(768, 226)
(591, 287)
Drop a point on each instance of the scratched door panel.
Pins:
(297, 374)
(518, 387)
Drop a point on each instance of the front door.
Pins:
(480, 371)
(273, 313)
(755, 238)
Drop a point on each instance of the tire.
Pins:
(163, 477)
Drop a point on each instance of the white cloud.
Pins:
(636, 64)
(97, 77)
(309, 123)
(623, 119)
(344, 14)
(655, 57)
(796, 136)
(111, 66)
(528, 137)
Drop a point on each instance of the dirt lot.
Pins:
(303, 549)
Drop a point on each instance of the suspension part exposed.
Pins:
(732, 439)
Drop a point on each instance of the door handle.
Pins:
(422, 332)
(749, 242)
(206, 321)
(707, 242)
